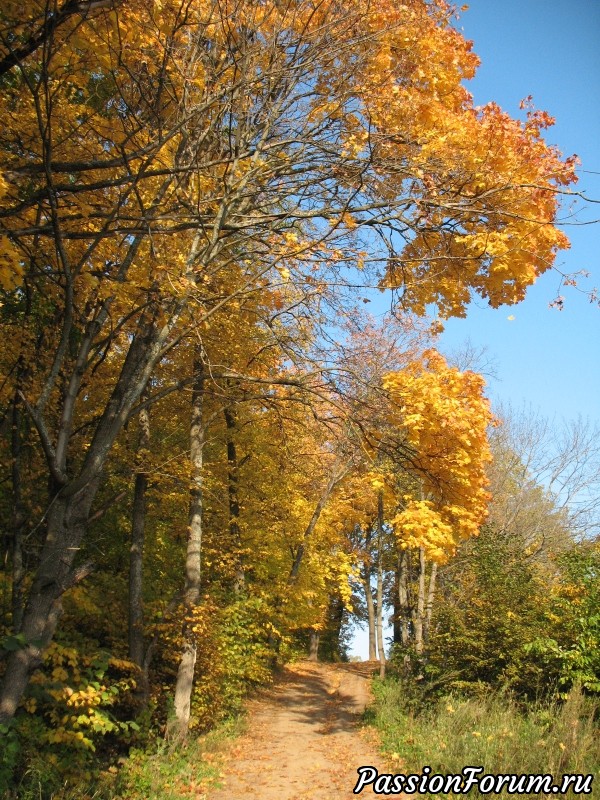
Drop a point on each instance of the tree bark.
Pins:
(336, 621)
(369, 599)
(403, 598)
(18, 517)
(179, 726)
(66, 524)
(430, 599)
(370, 617)
(234, 504)
(313, 651)
(380, 645)
(420, 615)
(396, 619)
(136, 556)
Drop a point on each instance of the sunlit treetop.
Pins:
(290, 129)
(444, 416)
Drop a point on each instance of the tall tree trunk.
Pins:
(371, 622)
(420, 615)
(136, 555)
(430, 599)
(367, 572)
(403, 597)
(234, 503)
(397, 618)
(66, 524)
(336, 620)
(380, 645)
(18, 517)
(366, 579)
(179, 726)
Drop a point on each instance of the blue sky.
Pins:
(551, 50)
(544, 358)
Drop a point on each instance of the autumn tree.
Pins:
(544, 478)
(444, 416)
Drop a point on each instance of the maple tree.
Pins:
(445, 416)
(429, 474)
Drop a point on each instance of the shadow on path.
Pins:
(303, 739)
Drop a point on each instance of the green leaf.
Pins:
(12, 643)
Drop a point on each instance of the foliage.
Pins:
(493, 604)
(241, 659)
(505, 621)
(74, 702)
(445, 417)
(571, 647)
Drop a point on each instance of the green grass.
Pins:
(172, 774)
(492, 732)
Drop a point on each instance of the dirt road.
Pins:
(302, 740)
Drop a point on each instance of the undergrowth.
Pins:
(451, 732)
(159, 772)
(175, 773)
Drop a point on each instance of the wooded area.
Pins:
(213, 459)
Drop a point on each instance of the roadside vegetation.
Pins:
(451, 731)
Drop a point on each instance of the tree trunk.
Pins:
(335, 622)
(313, 652)
(197, 439)
(184, 686)
(397, 618)
(234, 503)
(136, 557)
(66, 524)
(430, 599)
(179, 726)
(420, 615)
(403, 598)
(370, 613)
(380, 645)
(18, 518)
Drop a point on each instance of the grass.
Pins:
(172, 774)
(492, 732)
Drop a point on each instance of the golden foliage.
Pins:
(445, 417)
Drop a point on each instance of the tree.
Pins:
(545, 478)
(445, 418)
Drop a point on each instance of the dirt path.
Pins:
(302, 741)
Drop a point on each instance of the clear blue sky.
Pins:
(547, 359)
